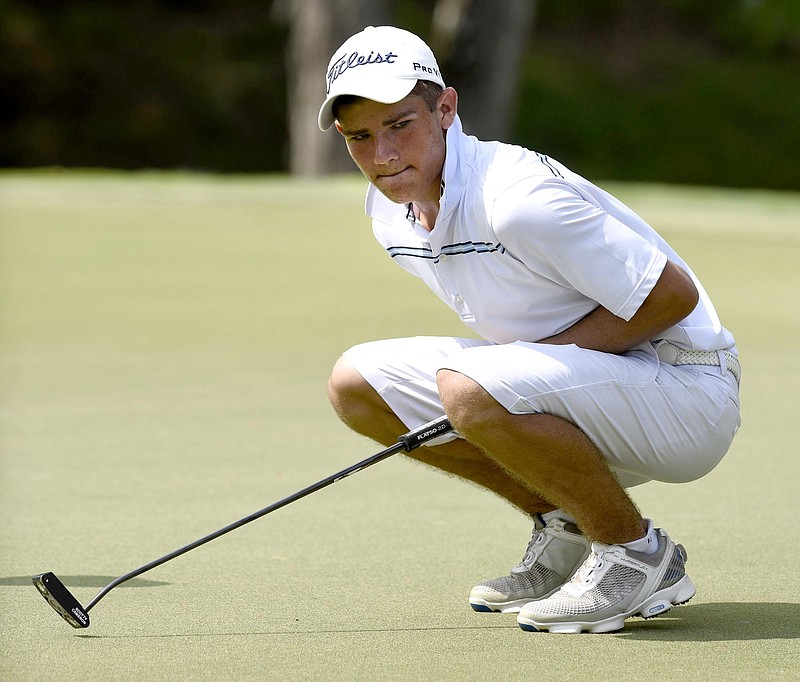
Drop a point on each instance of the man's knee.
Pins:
(347, 389)
(467, 404)
(359, 406)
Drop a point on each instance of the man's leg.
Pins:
(363, 410)
(546, 454)
(556, 547)
(632, 569)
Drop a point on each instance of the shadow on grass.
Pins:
(719, 622)
(82, 581)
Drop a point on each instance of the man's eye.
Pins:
(401, 124)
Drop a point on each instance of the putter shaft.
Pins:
(59, 597)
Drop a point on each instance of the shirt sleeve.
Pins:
(559, 234)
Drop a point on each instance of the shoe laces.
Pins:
(585, 574)
(532, 551)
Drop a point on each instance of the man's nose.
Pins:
(385, 150)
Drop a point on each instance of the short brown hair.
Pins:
(427, 91)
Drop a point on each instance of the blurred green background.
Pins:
(680, 91)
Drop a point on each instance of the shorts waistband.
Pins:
(672, 355)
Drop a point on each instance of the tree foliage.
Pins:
(678, 90)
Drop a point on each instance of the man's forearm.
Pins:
(673, 298)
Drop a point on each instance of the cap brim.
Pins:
(388, 91)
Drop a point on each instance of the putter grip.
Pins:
(413, 439)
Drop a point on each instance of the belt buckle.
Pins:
(666, 352)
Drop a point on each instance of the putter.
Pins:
(70, 609)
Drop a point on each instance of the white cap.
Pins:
(382, 63)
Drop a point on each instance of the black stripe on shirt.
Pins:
(459, 249)
(546, 162)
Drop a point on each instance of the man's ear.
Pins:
(338, 127)
(447, 107)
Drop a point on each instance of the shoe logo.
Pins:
(656, 609)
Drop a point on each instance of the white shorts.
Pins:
(651, 421)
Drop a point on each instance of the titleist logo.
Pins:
(354, 59)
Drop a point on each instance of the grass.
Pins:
(164, 347)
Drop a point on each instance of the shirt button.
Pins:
(442, 257)
(458, 299)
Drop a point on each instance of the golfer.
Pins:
(595, 362)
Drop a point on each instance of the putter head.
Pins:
(59, 597)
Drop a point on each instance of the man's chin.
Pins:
(398, 195)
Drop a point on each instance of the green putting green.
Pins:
(165, 340)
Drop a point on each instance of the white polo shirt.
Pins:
(523, 248)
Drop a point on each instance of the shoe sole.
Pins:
(514, 606)
(655, 605)
(493, 607)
